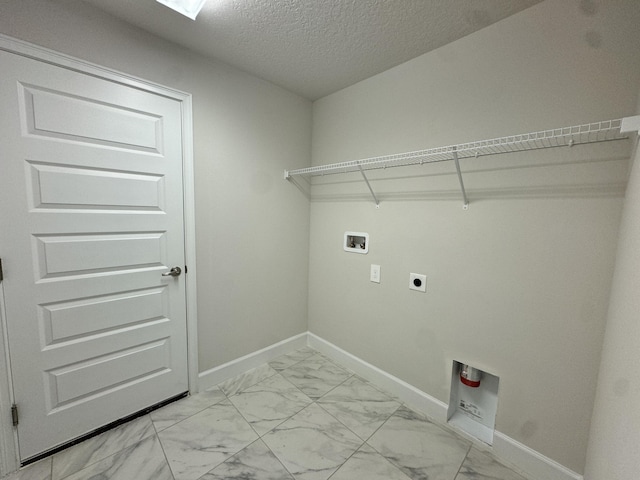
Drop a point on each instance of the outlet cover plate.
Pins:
(418, 282)
(375, 273)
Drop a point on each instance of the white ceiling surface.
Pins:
(315, 47)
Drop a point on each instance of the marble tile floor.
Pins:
(300, 417)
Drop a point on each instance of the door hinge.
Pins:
(1, 274)
(14, 414)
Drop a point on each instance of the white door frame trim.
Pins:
(8, 437)
(9, 460)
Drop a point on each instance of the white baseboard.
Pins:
(512, 453)
(529, 461)
(433, 408)
(216, 375)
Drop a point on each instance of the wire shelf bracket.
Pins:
(604, 131)
(464, 192)
(375, 199)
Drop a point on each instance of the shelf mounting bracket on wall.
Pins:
(464, 192)
(375, 199)
(630, 124)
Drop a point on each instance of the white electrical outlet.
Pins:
(417, 282)
(375, 273)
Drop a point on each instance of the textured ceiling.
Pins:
(315, 47)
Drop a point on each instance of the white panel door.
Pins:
(90, 219)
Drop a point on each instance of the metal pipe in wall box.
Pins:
(470, 376)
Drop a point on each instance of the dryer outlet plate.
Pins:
(418, 282)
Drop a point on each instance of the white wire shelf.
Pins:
(604, 131)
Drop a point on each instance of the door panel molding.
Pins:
(135, 130)
(8, 444)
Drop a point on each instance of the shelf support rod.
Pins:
(464, 192)
(369, 185)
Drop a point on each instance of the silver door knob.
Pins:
(174, 272)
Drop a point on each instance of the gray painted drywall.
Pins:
(252, 232)
(517, 285)
(614, 438)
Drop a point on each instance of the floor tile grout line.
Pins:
(308, 406)
(384, 392)
(277, 458)
(347, 459)
(316, 401)
(289, 366)
(124, 425)
(400, 404)
(364, 441)
(264, 380)
(104, 458)
(226, 459)
(347, 427)
(227, 398)
(164, 453)
(254, 430)
(293, 414)
(246, 420)
(462, 463)
(295, 386)
(376, 452)
(189, 416)
(333, 388)
(313, 401)
(166, 459)
(247, 386)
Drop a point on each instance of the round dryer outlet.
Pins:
(418, 282)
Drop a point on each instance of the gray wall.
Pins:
(246, 132)
(615, 428)
(518, 285)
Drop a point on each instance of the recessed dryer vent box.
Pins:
(473, 403)
(356, 242)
